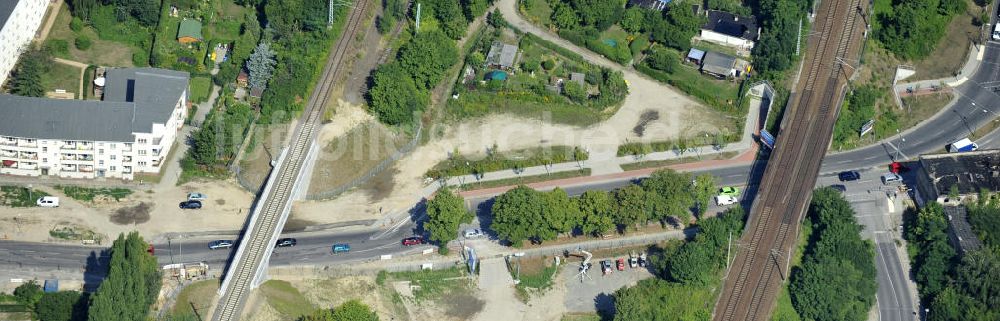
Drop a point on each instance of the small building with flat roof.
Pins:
(967, 173)
(959, 231)
(501, 56)
(719, 64)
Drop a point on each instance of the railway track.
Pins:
(761, 264)
(256, 241)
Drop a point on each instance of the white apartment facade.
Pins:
(130, 132)
(19, 20)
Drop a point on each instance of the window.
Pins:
(100, 144)
(142, 163)
(113, 157)
(142, 152)
(100, 162)
(113, 169)
(100, 151)
(113, 146)
(45, 160)
(45, 149)
(142, 141)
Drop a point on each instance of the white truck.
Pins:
(962, 145)
(996, 31)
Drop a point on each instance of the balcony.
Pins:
(8, 164)
(78, 157)
(28, 155)
(69, 145)
(85, 146)
(127, 170)
(8, 153)
(29, 166)
(67, 168)
(126, 159)
(156, 141)
(155, 152)
(86, 168)
(27, 143)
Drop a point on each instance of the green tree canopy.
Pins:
(518, 214)
(596, 208)
(62, 306)
(446, 211)
(132, 285)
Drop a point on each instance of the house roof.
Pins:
(650, 4)
(969, 171)
(134, 99)
(696, 54)
(190, 28)
(501, 54)
(6, 9)
(731, 25)
(958, 222)
(718, 63)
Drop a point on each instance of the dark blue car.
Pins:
(849, 176)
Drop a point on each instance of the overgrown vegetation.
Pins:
(431, 284)
(17, 196)
(88, 194)
(401, 88)
(352, 310)
(218, 140)
(836, 280)
(458, 164)
(910, 29)
(26, 79)
(54, 306)
(526, 214)
(688, 276)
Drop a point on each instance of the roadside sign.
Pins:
(767, 138)
(867, 127)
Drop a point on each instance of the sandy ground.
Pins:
(225, 209)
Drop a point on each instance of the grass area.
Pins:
(75, 234)
(700, 139)
(537, 11)
(720, 94)
(492, 161)
(88, 194)
(784, 311)
(710, 46)
(195, 295)
(62, 76)
(16, 196)
(581, 317)
(668, 162)
(102, 52)
(201, 87)
(525, 180)
(88, 86)
(286, 299)
(535, 274)
(432, 283)
(951, 51)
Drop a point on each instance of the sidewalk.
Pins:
(971, 65)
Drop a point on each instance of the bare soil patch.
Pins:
(131, 215)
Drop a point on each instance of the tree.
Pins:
(352, 310)
(704, 188)
(445, 212)
(660, 58)
(599, 14)
(575, 92)
(394, 97)
(670, 194)
(132, 284)
(596, 208)
(26, 80)
(564, 17)
(474, 8)
(28, 293)
(82, 8)
(261, 65)
(561, 214)
(692, 264)
(475, 59)
(632, 206)
(634, 20)
(517, 215)
(427, 57)
(496, 19)
(62, 306)
(548, 64)
(82, 42)
(529, 65)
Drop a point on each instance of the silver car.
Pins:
(472, 233)
(196, 197)
(220, 244)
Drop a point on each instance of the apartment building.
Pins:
(19, 20)
(131, 131)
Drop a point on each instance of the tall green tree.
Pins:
(445, 212)
(518, 215)
(132, 284)
(561, 214)
(26, 79)
(28, 293)
(631, 206)
(670, 194)
(704, 188)
(62, 306)
(394, 97)
(597, 208)
(427, 57)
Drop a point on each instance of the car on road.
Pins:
(190, 205)
(890, 178)
(606, 267)
(729, 191)
(621, 264)
(220, 244)
(197, 197)
(415, 240)
(341, 248)
(472, 233)
(47, 201)
(642, 260)
(723, 200)
(847, 176)
(286, 242)
(839, 187)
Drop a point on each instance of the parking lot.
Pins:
(594, 292)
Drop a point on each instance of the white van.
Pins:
(48, 201)
(723, 200)
(996, 31)
(891, 177)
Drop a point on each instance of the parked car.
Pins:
(633, 260)
(839, 187)
(890, 178)
(286, 242)
(341, 248)
(197, 197)
(47, 201)
(849, 176)
(723, 200)
(472, 233)
(193, 205)
(606, 267)
(729, 191)
(415, 240)
(220, 244)
(621, 264)
(642, 260)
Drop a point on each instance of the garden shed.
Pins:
(189, 31)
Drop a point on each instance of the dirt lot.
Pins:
(225, 210)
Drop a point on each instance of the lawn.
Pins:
(537, 11)
(286, 299)
(432, 283)
(535, 274)
(196, 295)
(720, 94)
(62, 76)
(469, 164)
(682, 160)
(200, 89)
(16, 196)
(102, 52)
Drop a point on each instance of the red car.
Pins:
(621, 264)
(416, 240)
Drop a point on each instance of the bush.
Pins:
(530, 65)
(83, 42)
(548, 64)
(76, 24)
(58, 47)
(140, 58)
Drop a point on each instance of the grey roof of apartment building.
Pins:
(969, 171)
(958, 222)
(6, 9)
(135, 98)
